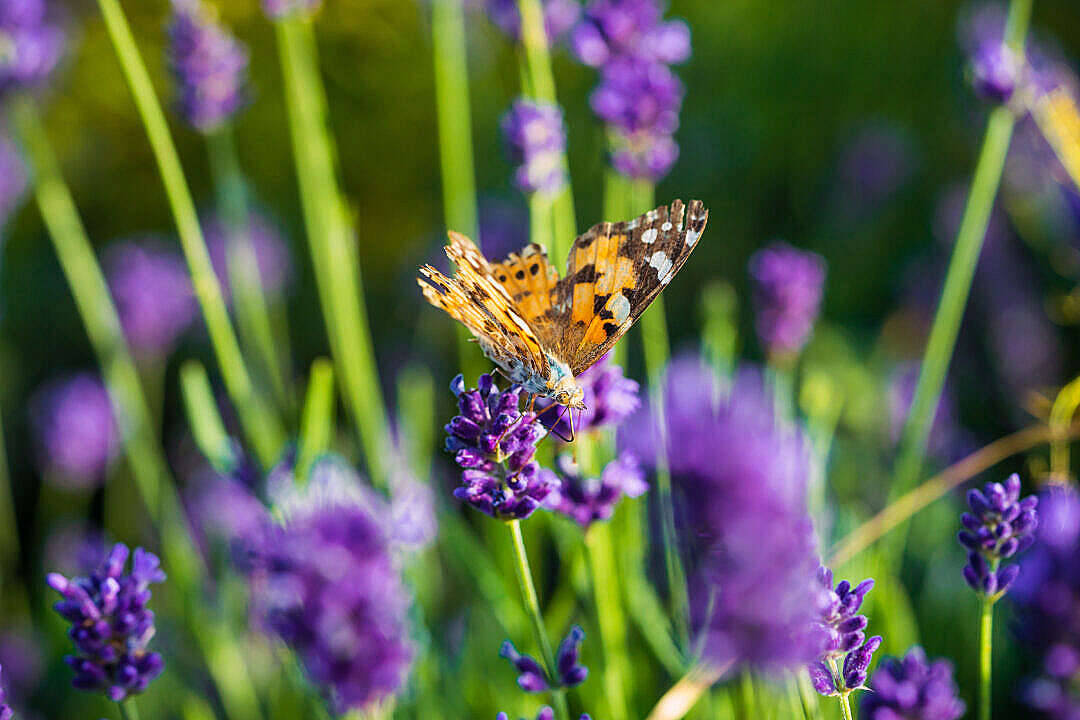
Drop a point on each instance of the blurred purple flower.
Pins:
(533, 678)
(153, 295)
(111, 625)
(994, 69)
(494, 442)
(6, 712)
(326, 583)
(504, 228)
(559, 16)
(278, 9)
(22, 660)
(637, 94)
(271, 252)
(740, 477)
(536, 140)
(586, 500)
(839, 632)
(611, 28)
(13, 178)
(913, 689)
(74, 549)
(999, 526)
(208, 64)
(609, 399)
(788, 285)
(76, 433)
(30, 44)
(648, 155)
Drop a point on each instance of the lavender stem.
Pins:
(986, 632)
(128, 709)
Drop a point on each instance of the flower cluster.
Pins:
(586, 500)
(12, 178)
(326, 583)
(546, 713)
(610, 398)
(209, 65)
(533, 678)
(111, 625)
(153, 295)
(1047, 597)
(739, 477)
(913, 688)
(6, 712)
(559, 16)
(278, 9)
(639, 97)
(30, 44)
(788, 284)
(999, 526)
(536, 140)
(75, 429)
(840, 632)
(494, 442)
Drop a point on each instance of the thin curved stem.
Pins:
(986, 640)
(845, 706)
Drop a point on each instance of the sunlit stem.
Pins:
(986, 654)
(317, 422)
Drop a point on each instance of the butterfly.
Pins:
(543, 331)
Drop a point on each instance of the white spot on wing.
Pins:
(649, 236)
(692, 237)
(661, 262)
(666, 226)
(632, 224)
(619, 307)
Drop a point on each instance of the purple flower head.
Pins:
(609, 399)
(12, 178)
(494, 442)
(644, 155)
(326, 583)
(30, 44)
(843, 653)
(612, 28)
(586, 500)
(913, 689)
(278, 9)
(546, 713)
(503, 227)
(638, 95)
(271, 253)
(6, 712)
(536, 140)
(153, 295)
(559, 16)
(532, 677)
(208, 64)
(999, 526)
(76, 434)
(75, 549)
(739, 477)
(788, 285)
(111, 625)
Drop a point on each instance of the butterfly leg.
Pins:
(521, 417)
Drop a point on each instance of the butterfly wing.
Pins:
(530, 279)
(615, 271)
(474, 298)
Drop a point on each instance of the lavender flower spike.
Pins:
(30, 44)
(999, 526)
(533, 678)
(209, 65)
(536, 139)
(913, 688)
(788, 284)
(494, 442)
(111, 625)
(843, 657)
(586, 500)
(546, 713)
(75, 430)
(559, 16)
(5, 709)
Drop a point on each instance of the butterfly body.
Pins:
(542, 330)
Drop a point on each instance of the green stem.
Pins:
(333, 243)
(205, 421)
(317, 423)
(242, 265)
(144, 454)
(9, 528)
(954, 296)
(532, 609)
(262, 428)
(128, 709)
(845, 706)
(610, 616)
(986, 639)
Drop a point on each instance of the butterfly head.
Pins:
(566, 391)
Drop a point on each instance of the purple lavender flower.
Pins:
(999, 526)
(12, 178)
(22, 660)
(209, 65)
(6, 712)
(609, 399)
(75, 549)
(788, 285)
(504, 228)
(532, 676)
(844, 654)
(546, 713)
(536, 140)
(559, 16)
(611, 28)
(153, 295)
(271, 252)
(30, 44)
(278, 9)
(586, 500)
(76, 433)
(913, 689)
(740, 479)
(326, 583)
(638, 95)
(494, 442)
(111, 625)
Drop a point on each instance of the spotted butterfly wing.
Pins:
(614, 272)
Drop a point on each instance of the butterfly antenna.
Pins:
(551, 430)
(511, 426)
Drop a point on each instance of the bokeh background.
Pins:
(845, 127)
